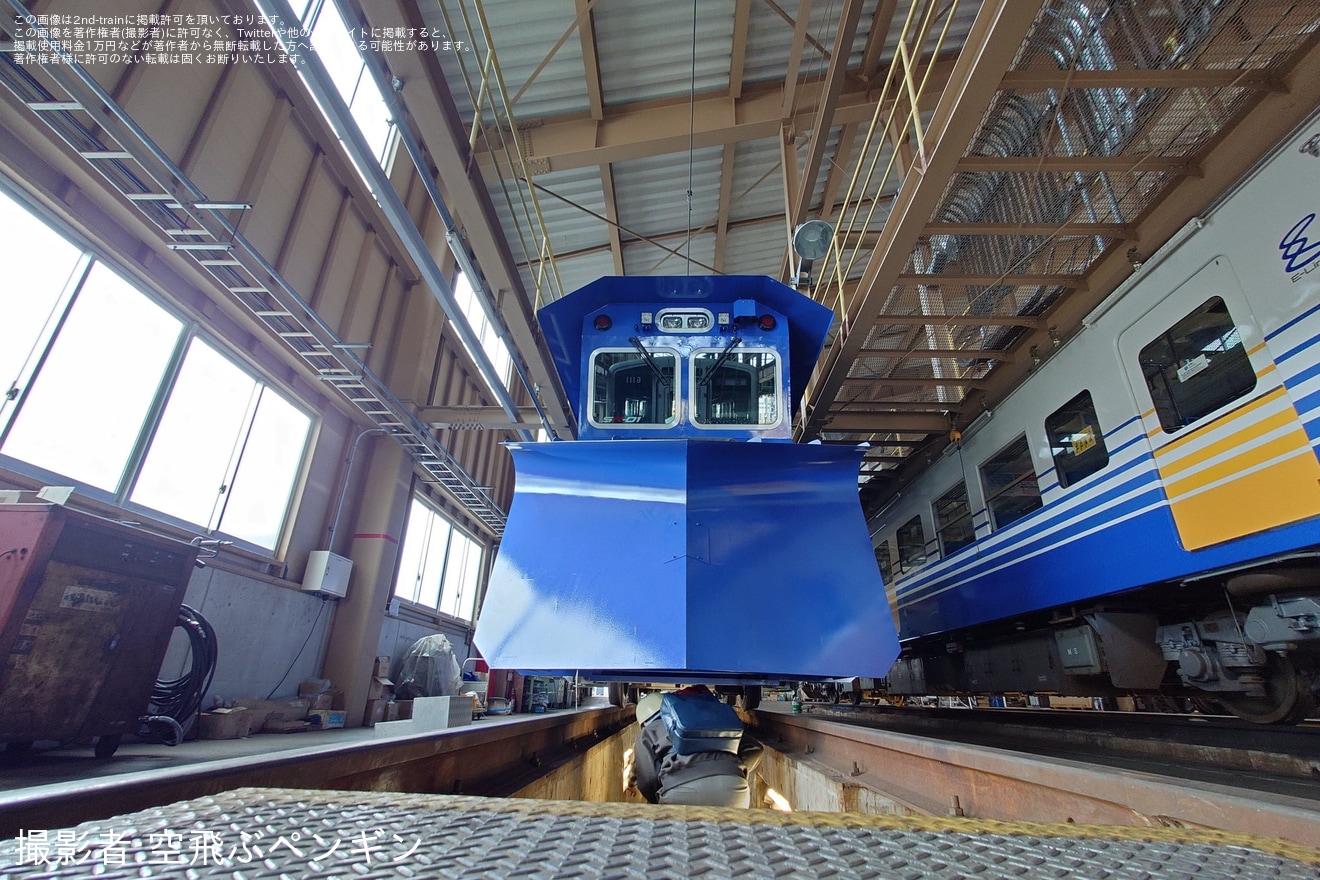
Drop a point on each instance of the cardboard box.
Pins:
(326, 719)
(311, 687)
(381, 688)
(375, 713)
(225, 724)
(402, 711)
(269, 715)
(331, 699)
(382, 666)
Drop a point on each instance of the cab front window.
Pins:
(735, 387)
(631, 387)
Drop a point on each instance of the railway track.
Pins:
(1212, 748)
(838, 759)
(1083, 769)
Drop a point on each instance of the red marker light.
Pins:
(767, 322)
(603, 322)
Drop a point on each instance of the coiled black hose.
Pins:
(180, 700)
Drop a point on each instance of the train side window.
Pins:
(1011, 488)
(882, 559)
(631, 390)
(1076, 441)
(1196, 366)
(911, 545)
(735, 387)
(953, 520)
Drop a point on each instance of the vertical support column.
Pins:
(377, 533)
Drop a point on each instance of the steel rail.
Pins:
(935, 777)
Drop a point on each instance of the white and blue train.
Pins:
(1142, 515)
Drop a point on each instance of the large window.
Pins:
(110, 391)
(439, 565)
(82, 413)
(1011, 488)
(226, 452)
(953, 520)
(911, 541)
(1196, 366)
(1076, 441)
(491, 343)
(338, 51)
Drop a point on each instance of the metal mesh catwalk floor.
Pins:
(251, 833)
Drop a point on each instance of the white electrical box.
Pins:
(327, 573)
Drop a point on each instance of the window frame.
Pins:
(724, 426)
(1076, 408)
(941, 527)
(1168, 409)
(903, 559)
(435, 514)
(119, 496)
(592, 385)
(1001, 455)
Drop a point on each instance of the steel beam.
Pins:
(590, 64)
(1079, 164)
(995, 37)
(1034, 80)
(950, 353)
(823, 122)
(1073, 282)
(655, 128)
(887, 423)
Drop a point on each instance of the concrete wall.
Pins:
(398, 634)
(269, 637)
(810, 786)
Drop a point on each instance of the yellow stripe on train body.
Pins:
(1247, 471)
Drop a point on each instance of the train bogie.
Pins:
(1143, 513)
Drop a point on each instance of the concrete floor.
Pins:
(47, 763)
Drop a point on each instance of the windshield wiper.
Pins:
(650, 360)
(724, 355)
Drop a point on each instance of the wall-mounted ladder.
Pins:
(102, 133)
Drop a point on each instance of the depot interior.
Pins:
(275, 307)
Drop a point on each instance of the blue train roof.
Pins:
(808, 320)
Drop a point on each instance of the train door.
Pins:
(1227, 442)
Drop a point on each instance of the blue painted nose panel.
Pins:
(728, 558)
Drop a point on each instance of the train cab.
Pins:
(695, 357)
(683, 536)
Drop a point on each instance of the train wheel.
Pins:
(855, 697)
(751, 697)
(1287, 699)
(618, 693)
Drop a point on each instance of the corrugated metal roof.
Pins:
(521, 43)
(652, 193)
(646, 49)
(641, 258)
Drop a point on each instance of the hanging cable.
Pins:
(176, 703)
(692, 134)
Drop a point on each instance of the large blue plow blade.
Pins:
(693, 557)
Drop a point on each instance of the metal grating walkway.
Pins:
(251, 833)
